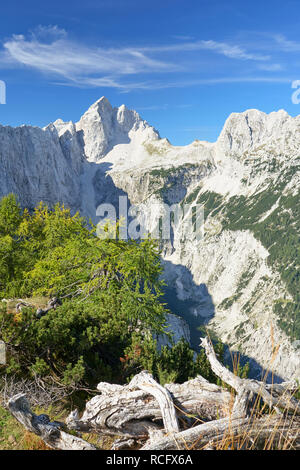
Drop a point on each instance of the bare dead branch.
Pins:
(51, 433)
(193, 415)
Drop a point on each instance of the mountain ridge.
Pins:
(248, 181)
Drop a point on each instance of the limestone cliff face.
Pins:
(49, 164)
(39, 164)
(248, 181)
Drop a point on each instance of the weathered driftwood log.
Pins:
(241, 433)
(52, 304)
(242, 421)
(274, 395)
(51, 433)
(145, 382)
(197, 437)
(270, 432)
(165, 417)
(133, 410)
(22, 304)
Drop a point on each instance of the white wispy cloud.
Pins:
(270, 67)
(213, 81)
(285, 44)
(49, 50)
(48, 32)
(180, 83)
(70, 59)
(231, 51)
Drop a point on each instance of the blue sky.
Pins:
(183, 65)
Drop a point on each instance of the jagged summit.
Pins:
(104, 127)
(253, 128)
(241, 129)
(121, 137)
(104, 109)
(101, 105)
(103, 100)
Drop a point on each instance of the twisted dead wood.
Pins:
(50, 433)
(274, 395)
(135, 412)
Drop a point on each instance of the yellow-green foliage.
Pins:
(111, 300)
(108, 288)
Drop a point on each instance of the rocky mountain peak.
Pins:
(102, 127)
(253, 128)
